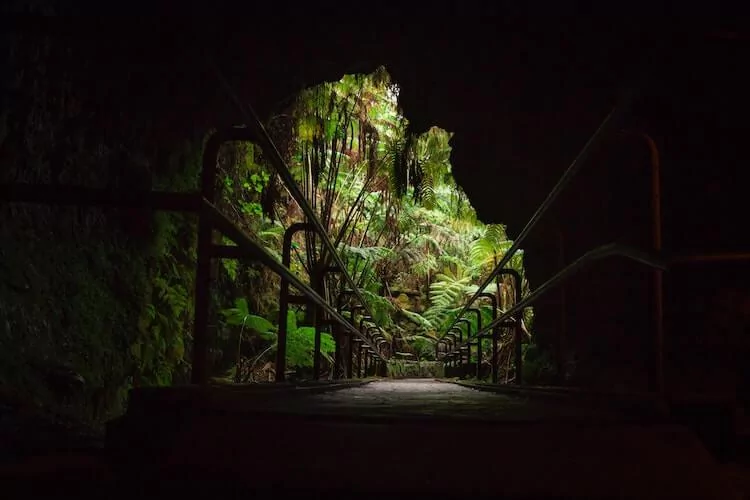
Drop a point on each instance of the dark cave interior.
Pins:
(522, 93)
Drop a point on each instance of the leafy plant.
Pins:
(240, 315)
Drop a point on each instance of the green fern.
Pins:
(272, 235)
(301, 346)
(491, 246)
(369, 254)
(418, 319)
(381, 308)
(425, 266)
(428, 241)
(445, 293)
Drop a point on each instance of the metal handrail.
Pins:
(610, 250)
(609, 122)
(178, 202)
(711, 258)
(256, 251)
(273, 155)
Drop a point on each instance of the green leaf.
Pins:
(237, 314)
(259, 324)
(177, 351)
(299, 347)
(291, 321)
(418, 319)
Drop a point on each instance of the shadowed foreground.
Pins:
(405, 437)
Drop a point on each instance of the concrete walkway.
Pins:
(421, 437)
(401, 439)
(425, 398)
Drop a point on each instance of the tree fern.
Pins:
(419, 320)
(388, 197)
(424, 267)
(366, 253)
(381, 308)
(472, 289)
(445, 293)
(484, 252)
(490, 246)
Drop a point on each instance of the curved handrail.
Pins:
(609, 122)
(610, 250)
(272, 153)
(258, 252)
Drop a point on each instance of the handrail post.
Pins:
(351, 344)
(199, 373)
(360, 356)
(450, 341)
(271, 152)
(518, 334)
(465, 368)
(456, 347)
(595, 254)
(493, 301)
(563, 333)
(318, 313)
(335, 369)
(248, 247)
(286, 259)
(658, 274)
(605, 126)
(275, 158)
(356, 346)
(374, 357)
(339, 371)
(656, 378)
(317, 321)
(518, 337)
(479, 339)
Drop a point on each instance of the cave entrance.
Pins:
(406, 231)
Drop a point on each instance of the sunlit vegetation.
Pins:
(389, 202)
(110, 305)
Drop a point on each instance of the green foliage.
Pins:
(399, 368)
(381, 308)
(368, 254)
(447, 292)
(300, 339)
(126, 277)
(300, 345)
(487, 250)
(418, 319)
(402, 221)
(421, 345)
(231, 266)
(240, 315)
(388, 198)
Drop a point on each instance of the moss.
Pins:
(75, 282)
(66, 312)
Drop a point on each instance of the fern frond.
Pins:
(381, 308)
(417, 319)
